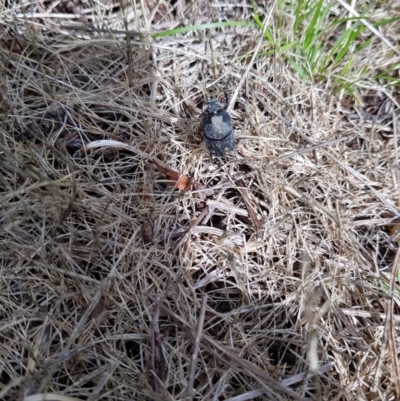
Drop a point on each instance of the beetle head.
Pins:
(213, 106)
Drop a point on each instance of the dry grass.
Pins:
(267, 279)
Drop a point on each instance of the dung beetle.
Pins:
(217, 128)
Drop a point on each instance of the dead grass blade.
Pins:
(49, 397)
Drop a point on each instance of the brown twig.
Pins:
(196, 348)
(156, 363)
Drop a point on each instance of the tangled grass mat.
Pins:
(136, 267)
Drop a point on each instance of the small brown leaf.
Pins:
(98, 309)
(179, 180)
(147, 232)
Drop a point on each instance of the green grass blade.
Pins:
(298, 16)
(176, 31)
(312, 28)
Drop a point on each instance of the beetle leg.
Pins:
(227, 100)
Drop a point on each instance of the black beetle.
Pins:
(217, 128)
